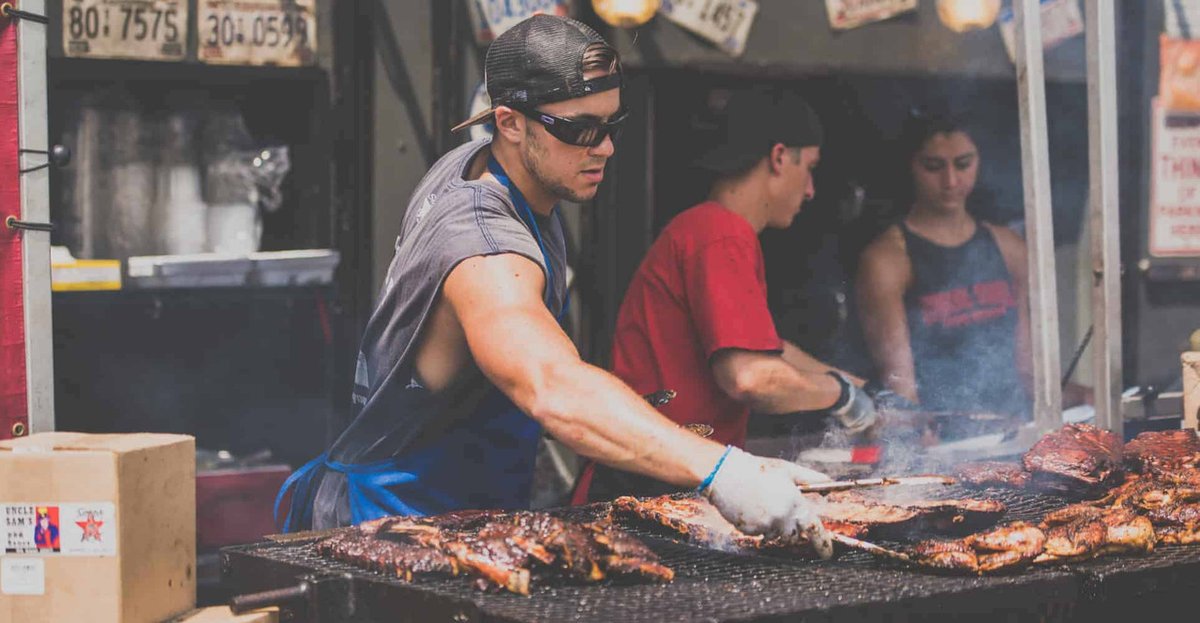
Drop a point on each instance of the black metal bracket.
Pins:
(59, 156)
(8, 10)
(12, 223)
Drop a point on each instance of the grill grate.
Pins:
(712, 585)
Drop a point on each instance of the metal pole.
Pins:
(1104, 212)
(1039, 228)
(35, 206)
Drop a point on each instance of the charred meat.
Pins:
(501, 549)
(1163, 451)
(993, 474)
(1004, 547)
(1078, 458)
(1082, 531)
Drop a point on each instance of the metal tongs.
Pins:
(863, 483)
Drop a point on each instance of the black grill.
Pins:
(717, 586)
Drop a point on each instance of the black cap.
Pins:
(754, 121)
(539, 61)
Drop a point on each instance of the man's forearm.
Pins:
(805, 362)
(599, 417)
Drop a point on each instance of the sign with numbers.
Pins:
(492, 17)
(847, 14)
(723, 22)
(137, 29)
(257, 32)
(1061, 20)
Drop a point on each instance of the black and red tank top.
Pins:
(962, 325)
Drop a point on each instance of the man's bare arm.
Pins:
(883, 276)
(768, 384)
(518, 345)
(805, 362)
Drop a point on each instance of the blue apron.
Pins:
(484, 460)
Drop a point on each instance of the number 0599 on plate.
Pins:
(257, 32)
(137, 29)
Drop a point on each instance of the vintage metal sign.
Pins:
(723, 22)
(1175, 184)
(1061, 20)
(137, 29)
(847, 14)
(257, 32)
(492, 17)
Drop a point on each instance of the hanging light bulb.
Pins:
(964, 15)
(626, 13)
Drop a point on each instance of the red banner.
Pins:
(13, 388)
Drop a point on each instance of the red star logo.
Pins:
(91, 528)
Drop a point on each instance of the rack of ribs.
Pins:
(501, 549)
(1078, 458)
(1163, 451)
(992, 474)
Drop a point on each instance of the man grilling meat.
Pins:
(695, 317)
(463, 362)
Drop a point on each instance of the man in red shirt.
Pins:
(695, 317)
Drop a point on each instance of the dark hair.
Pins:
(922, 125)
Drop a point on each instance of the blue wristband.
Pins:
(713, 474)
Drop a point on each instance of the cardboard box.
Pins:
(97, 528)
(222, 614)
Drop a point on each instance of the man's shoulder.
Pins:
(708, 222)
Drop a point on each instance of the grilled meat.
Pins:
(1147, 493)
(992, 474)
(1082, 531)
(387, 556)
(880, 514)
(1078, 458)
(1177, 535)
(1163, 451)
(502, 549)
(698, 520)
(948, 555)
(1180, 514)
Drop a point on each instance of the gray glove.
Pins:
(759, 496)
(858, 413)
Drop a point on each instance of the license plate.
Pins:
(723, 22)
(137, 29)
(257, 32)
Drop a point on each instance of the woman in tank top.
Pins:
(943, 296)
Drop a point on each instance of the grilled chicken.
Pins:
(1078, 458)
(1004, 547)
(1177, 524)
(992, 474)
(1159, 451)
(1083, 531)
(1147, 493)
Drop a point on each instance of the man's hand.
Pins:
(759, 496)
(859, 412)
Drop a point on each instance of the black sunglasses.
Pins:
(576, 132)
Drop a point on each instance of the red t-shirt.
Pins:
(701, 288)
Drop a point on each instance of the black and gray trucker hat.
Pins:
(539, 61)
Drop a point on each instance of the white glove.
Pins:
(859, 412)
(759, 496)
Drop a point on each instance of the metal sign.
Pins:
(847, 14)
(1061, 20)
(1175, 184)
(138, 29)
(257, 32)
(492, 17)
(723, 22)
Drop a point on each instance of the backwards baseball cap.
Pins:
(754, 121)
(540, 61)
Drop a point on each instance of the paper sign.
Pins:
(139, 29)
(723, 22)
(492, 17)
(1179, 73)
(1061, 20)
(80, 529)
(257, 32)
(847, 14)
(1175, 184)
(22, 576)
